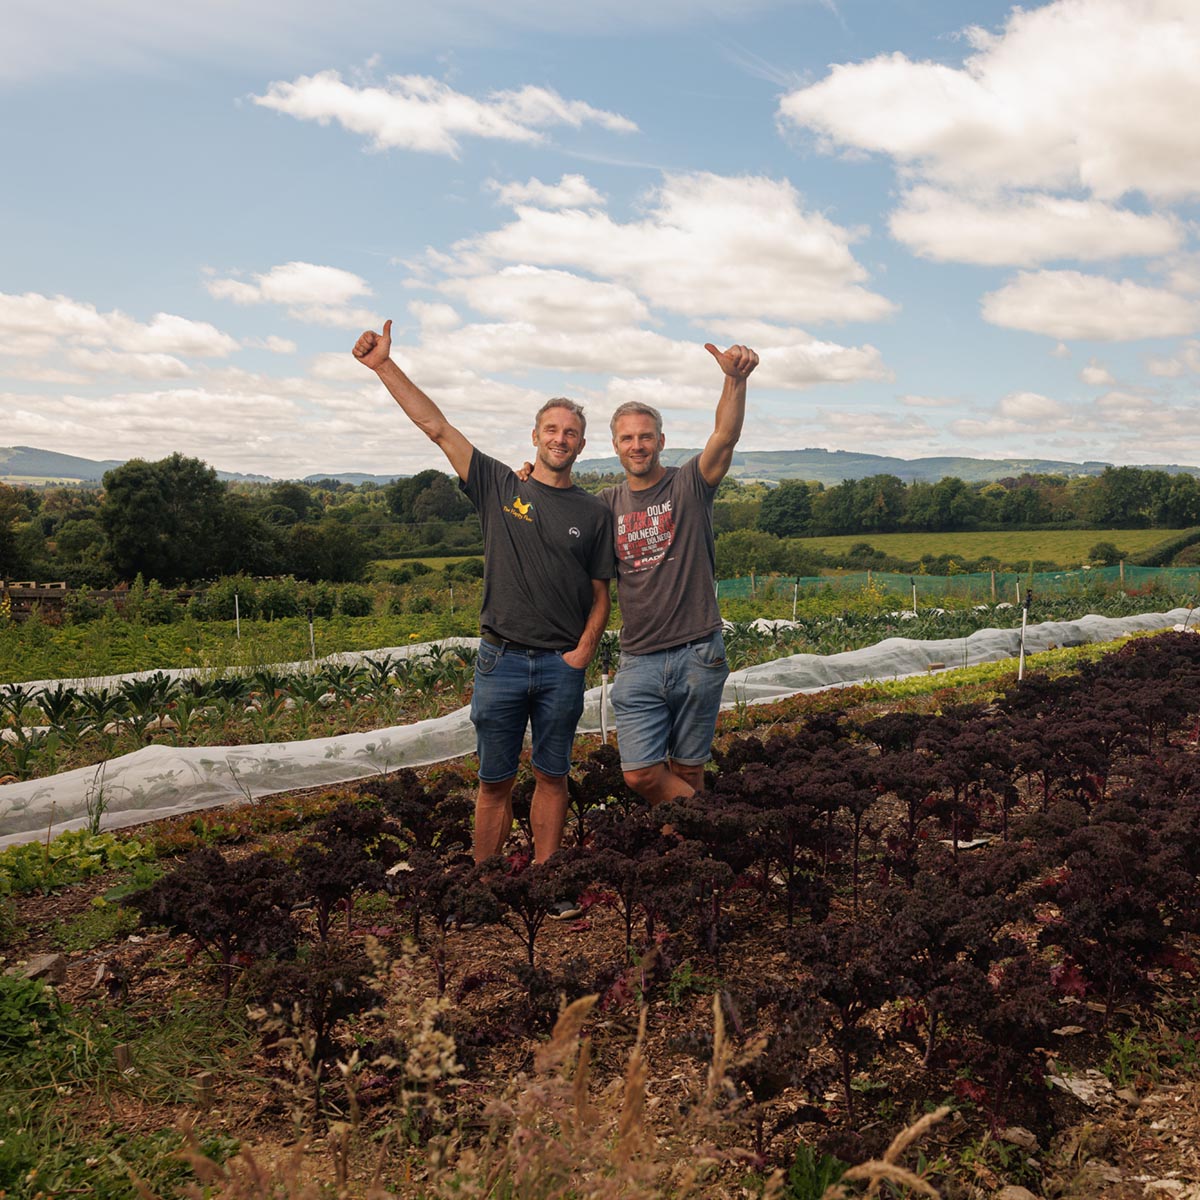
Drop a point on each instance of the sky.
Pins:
(941, 237)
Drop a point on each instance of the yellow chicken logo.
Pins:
(522, 508)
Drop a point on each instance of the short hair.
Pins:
(635, 408)
(562, 402)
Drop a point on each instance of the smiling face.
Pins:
(638, 444)
(559, 439)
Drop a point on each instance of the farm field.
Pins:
(114, 645)
(433, 563)
(1065, 547)
(256, 700)
(812, 964)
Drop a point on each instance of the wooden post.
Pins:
(993, 587)
(204, 1089)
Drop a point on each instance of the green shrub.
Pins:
(469, 568)
(281, 598)
(216, 603)
(80, 609)
(355, 601)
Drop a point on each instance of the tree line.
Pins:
(173, 520)
(1119, 498)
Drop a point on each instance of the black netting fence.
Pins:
(981, 586)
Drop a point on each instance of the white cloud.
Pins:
(661, 394)
(29, 371)
(434, 318)
(571, 191)
(708, 246)
(1119, 426)
(51, 326)
(1185, 362)
(1027, 229)
(416, 112)
(1183, 273)
(1070, 304)
(312, 293)
(551, 300)
(1032, 408)
(137, 366)
(868, 430)
(1097, 375)
(1093, 94)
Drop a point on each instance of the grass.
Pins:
(435, 563)
(1068, 547)
(95, 926)
(75, 1123)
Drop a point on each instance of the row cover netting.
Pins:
(980, 585)
(164, 781)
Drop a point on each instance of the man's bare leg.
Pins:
(693, 776)
(548, 813)
(493, 817)
(658, 783)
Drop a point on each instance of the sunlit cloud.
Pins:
(416, 112)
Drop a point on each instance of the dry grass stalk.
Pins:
(886, 1169)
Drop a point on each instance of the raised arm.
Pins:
(717, 456)
(589, 639)
(374, 350)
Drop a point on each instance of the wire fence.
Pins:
(981, 586)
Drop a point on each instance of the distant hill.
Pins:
(354, 477)
(25, 464)
(833, 466)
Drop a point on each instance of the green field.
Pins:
(41, 481)
(1065, 547)
(435, 563)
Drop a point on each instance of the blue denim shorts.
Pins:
(666, 703)
(515, 689)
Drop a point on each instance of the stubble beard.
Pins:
(559, 468)
(638, 469)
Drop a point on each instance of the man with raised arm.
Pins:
(547, 553)
(672, 667)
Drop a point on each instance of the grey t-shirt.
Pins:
(542, 547)
(666, 562)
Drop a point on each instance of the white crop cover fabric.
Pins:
(166, 781)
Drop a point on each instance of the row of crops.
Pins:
(51, 728)
(824, 890)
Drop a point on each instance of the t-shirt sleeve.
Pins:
(696, 483)
(471, 485)
(484, 475)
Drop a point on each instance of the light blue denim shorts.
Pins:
(666, 703)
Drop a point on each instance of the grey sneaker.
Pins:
(565, 910)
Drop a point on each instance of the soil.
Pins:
(1143, 1140)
